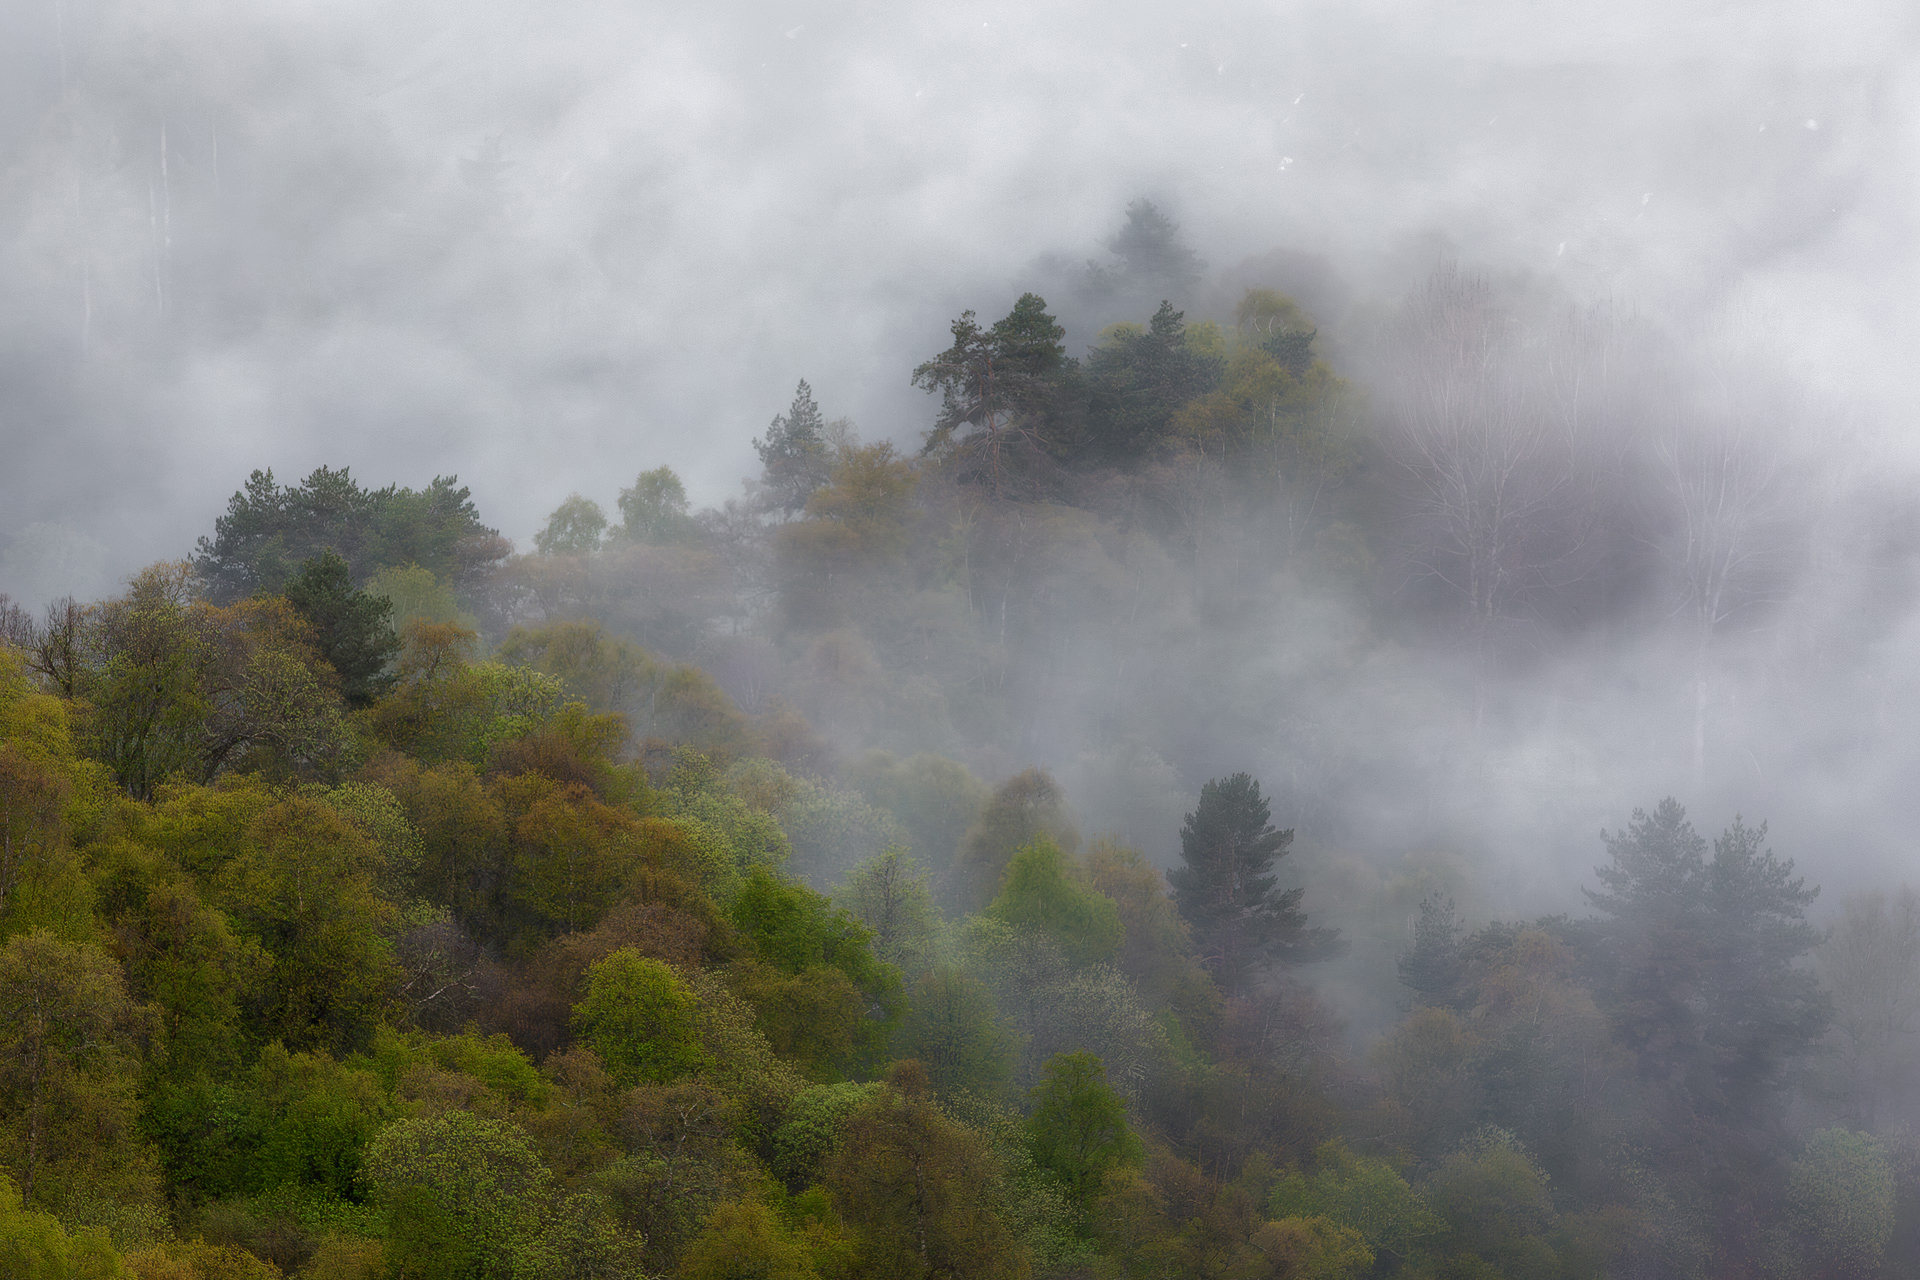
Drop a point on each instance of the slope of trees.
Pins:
(679, 897)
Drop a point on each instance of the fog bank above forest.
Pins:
(549, 249)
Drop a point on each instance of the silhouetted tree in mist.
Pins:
(794, 458)
(1228, 892)
(1149, 256)
(1694, 961)
(998, 387)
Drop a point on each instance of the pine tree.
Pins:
(794, 457)
(1694, 961)
(1241, 918)
(355, 629)
(1431, 967)
(998, 388)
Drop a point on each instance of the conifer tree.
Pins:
(1227, 890)
(354, 629)
(794, 456)
(1431, 967)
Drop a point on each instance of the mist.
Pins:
(545, 249)
(1588, 479)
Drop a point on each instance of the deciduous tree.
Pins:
(1078, 1129)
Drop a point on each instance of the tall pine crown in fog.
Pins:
(1696, 964)
(1228, 891)
(269, 530)
(354, 629)
(794, 456)
(1150, 253)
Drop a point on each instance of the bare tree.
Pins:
(1503, 497)
(54, 646)
(16, 624)
(1739, 495)
(1723, 477)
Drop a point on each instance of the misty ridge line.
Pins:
(1354, 720)
(259, 697)
(1508, 455)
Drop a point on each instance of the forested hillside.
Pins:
(892, 872)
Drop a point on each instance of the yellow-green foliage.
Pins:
(1042, 890)
(745, 1239)
(660, 699)
(418, 596)
(34, 1246)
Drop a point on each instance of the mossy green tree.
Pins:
(641, 1018)
(1043, 891)
(1078, 1130)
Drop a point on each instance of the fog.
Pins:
(545, 247)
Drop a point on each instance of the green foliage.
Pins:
(200, 1260)
(42, 884)
(1369, 1196)
(352, 629)
(1313, 1249)
(1156, 951)
(834, 975)
(794, 457)
(463, 1196)
(660, 699)
(1078, 1130)
(1870, 965)
(794, 928)
(919, 1191)
(654, 510)
(448, 707)
(269, 530)
(572, 854)
(1137, 381)
(230, 911)
(575, 528)
(828, 830)
(1042, 891)
(999, 387)
(1431, 968)
(744, 1241)
(67, 1052)
(854, 524)
(34, 1246)
(953, 1030)
(641, 1018)
(1228, 892)
(1025, 807)
(935, 800)
(1695, 964)
(890, 895)
(734, 839)
(183, 956)
(1840, 1200)
(1278, 325)
(377, 814)
(172, 686)
(813, 1129)
(294, 1125)
(417, 596)
(1496, 1204)
(305, 887)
